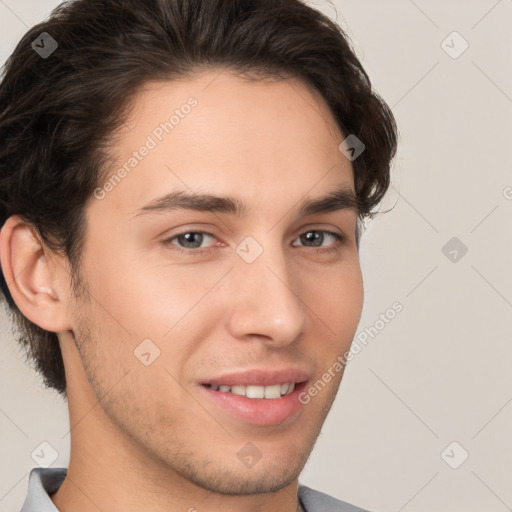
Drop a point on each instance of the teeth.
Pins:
(255, 392)
(238, 390)
(269, 392)
(273, 391)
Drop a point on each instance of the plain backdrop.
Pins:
(423, 418)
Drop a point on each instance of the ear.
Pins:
(36, 281)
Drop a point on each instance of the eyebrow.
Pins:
(339, 199)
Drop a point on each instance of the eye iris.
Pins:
(313, 236)
(188, 238)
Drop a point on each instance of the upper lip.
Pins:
(259, 377)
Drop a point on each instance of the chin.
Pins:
(246, 481)
(233, 478)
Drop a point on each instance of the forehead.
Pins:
(264, 141)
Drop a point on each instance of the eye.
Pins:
(317, 237)
(190, 240)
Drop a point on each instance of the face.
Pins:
(208, 319)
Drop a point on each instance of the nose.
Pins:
(265, 301)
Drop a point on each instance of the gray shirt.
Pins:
(45, 481)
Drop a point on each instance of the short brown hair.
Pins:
(56, 113)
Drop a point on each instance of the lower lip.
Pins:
(258, 411)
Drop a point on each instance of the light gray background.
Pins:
(439, 372)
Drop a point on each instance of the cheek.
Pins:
(143, 299)
(141, 314)
(336, 300)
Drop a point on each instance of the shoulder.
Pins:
(315, 501)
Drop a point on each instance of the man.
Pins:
(182, 185)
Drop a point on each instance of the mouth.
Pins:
(257, 397)
(254, 391)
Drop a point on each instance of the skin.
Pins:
(146, 436)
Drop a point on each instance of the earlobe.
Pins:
(32, 279)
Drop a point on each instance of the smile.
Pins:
(254, 391)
